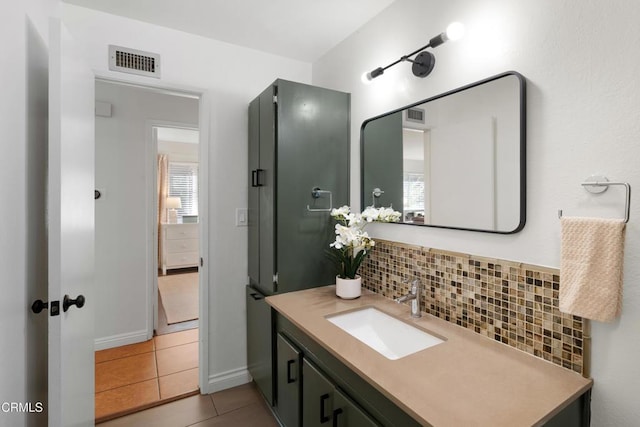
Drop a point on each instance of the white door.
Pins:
(71, 232)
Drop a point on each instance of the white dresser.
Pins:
(179, 246)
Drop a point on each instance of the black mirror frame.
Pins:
(523, 149)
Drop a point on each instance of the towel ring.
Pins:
(599, 184)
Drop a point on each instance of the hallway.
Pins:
(139, 376)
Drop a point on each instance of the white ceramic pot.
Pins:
(348, 288)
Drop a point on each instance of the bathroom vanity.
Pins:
(327, 377)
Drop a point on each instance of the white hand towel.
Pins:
(591, 267)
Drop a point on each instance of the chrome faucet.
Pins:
(414, 297)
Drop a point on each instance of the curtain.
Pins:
(163, 192)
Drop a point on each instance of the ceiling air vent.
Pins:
(415, 115)
(134, 61)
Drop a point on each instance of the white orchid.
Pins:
(341, 212)
(352, 243)
(388, 215)
(371, 214)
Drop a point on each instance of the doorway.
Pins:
(178, 207)
(135, 368)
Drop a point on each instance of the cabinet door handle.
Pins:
(323, 417)
(289, 364)
(336, 412)
(255, 178)
(256, 297)
(259, 173)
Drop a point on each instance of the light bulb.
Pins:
(455, 31)
(366, 78)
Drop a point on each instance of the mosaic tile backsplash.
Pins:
(513, 303)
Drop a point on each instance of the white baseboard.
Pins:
(225, 380)
(120, 340)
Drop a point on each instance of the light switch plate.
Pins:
(242, 217)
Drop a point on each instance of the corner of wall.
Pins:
(228, 379)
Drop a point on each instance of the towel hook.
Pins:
(375, 194)
(597, 184)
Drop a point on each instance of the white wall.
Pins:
(232, 76)
(24, 31)
(123, 223)
(583, 111)
(179, 151)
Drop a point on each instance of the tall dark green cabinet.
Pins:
(298, 170)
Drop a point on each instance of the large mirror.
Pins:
(456, 160)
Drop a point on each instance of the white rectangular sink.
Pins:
(385, 334)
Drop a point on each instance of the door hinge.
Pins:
(275, 99)
(275, 278)
(201, 262)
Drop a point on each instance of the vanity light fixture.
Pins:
(424, 61)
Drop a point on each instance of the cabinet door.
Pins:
(259, 342)
(253, 211)
(288, 382)
(261, 210)
(347, 413)
(265, 180)
(317, 397)
(312, 151)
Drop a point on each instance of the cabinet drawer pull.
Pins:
(336, 412)
(323, 417)
(289, 364)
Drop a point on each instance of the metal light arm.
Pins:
(425, 61)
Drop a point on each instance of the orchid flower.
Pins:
(352, 243)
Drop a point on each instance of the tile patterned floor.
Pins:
(141, 375)
(241, 406)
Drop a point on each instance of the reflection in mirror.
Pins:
(455, 160)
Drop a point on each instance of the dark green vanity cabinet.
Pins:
(314, 388)
(324, 404)
(288, 382)
(306, 396)
(259, 342)
(328, 393)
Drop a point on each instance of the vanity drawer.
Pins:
(182, 231)
(181, 245)
(182, 259)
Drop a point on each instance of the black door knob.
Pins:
(39, 305)
(54, 307)
(68, 302)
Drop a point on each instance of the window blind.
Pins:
(413, 191)
(183, 183)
